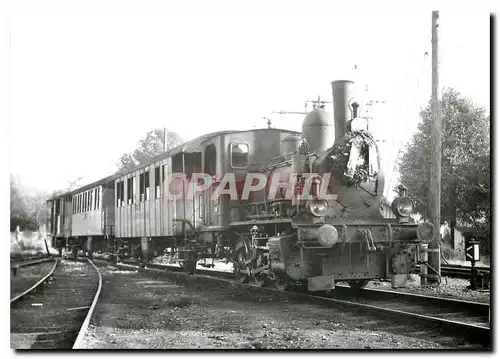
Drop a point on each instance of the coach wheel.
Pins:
(261, 280)
(240, 259)
(357, 284)
(189, 266)
(281, 284)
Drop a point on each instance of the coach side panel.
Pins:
(142, 207)
(87, 213)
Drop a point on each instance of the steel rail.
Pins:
(83, 329)
(482, 333)
(28, 262)
(36, 284)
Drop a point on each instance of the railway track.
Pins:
(457, 271)
(464, 321)
(19, 263)
(55, 312)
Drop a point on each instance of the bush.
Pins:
(24, 223)
(451, 254)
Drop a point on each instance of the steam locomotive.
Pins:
(284, 207)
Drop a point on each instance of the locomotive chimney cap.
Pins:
(338, 81)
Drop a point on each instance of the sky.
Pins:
(88, 79)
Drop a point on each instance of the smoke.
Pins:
(28, 243)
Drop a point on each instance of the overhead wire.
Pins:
(403, 141)
(390, 152)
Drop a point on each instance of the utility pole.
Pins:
(165, 133)
(435, 165)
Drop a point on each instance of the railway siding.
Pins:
(50, 317)
(24, 277)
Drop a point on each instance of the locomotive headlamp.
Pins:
(318, 207)
(425, 232)
(402, 206)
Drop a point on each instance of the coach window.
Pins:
(98, 203)
(130, 198)
(118, 194)
(164, 170)
(142, 191)
(157, 182)
(146, 185)
(239, 155)
(210, 159)
(134, 189)
(122, 193)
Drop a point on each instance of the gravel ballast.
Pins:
(137, 310)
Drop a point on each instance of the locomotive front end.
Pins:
(340, 233)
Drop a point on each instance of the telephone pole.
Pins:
(435, 165)
(165, 133)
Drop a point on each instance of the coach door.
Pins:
(187, 205)
(192, 165)
(208, 209)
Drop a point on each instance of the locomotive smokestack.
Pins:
(342, 94)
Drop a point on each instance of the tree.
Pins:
(148, 147)
(29, 210)
(26, 211)
(465, 163)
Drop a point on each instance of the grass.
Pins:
(457, 257)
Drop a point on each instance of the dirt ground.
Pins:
(154, 312)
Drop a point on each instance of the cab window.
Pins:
(239, 155)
